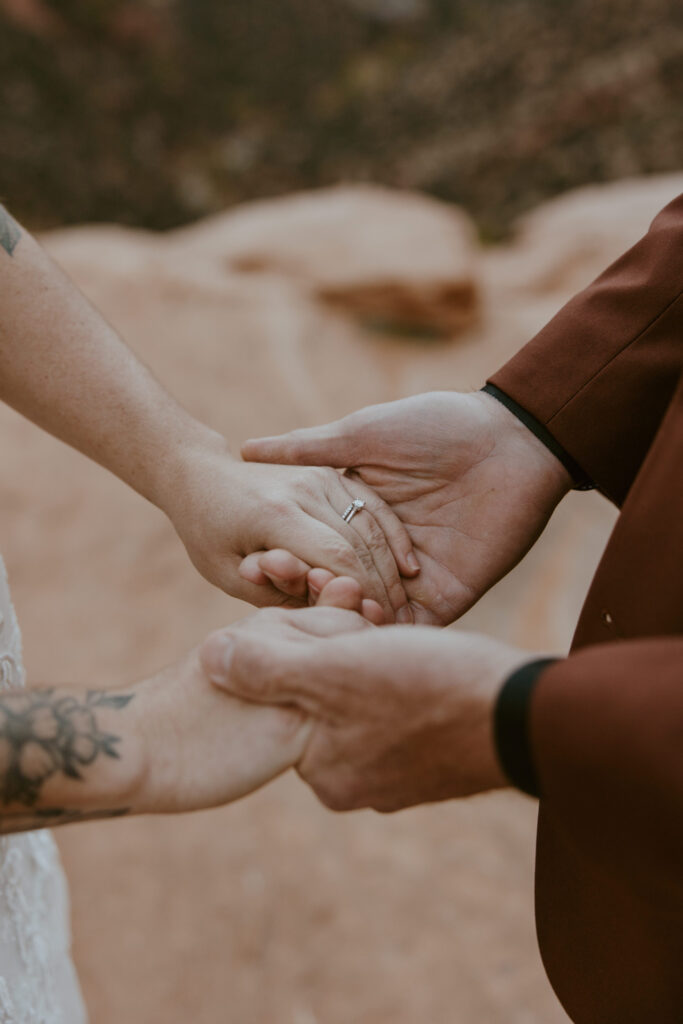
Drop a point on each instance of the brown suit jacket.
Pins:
(606, 379)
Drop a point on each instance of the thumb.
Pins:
(343, 592)
(260, 668)
(336, 444)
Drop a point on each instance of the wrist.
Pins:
(502, 662)
(175, 475)
(476, 668)
(150, 735)
(512, 725)
(579, 480)
(127, 781)
(542, 465)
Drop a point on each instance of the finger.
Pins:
(343, 592)
(277, 657)
(375, 541)
(338, 444)
(372, 611)
(286, 572)
(276, 572)
(317, 581)
(259, 666)
(258, 589)
(325, 622)
(250, 569)
(397, 535)
(317, 534)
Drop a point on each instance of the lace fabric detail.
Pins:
(37, 980)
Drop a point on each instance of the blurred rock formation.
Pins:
(355, 248)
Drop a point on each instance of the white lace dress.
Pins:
(38, 984)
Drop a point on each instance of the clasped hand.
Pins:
(399, 716)
(224, 510)
(472, 486)
(403, 716)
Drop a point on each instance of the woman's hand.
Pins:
(63, 367)
(203, 747)
(224, 510)
(169, 744)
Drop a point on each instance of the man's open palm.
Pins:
(473, 486)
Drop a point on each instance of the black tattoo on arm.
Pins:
(32, 820)
(42, 734)
(10, 232)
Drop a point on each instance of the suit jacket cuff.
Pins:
(602, 373)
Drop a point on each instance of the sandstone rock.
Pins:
(394, 258)
(566, 242)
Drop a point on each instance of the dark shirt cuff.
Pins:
(581, 481)
(511, 726)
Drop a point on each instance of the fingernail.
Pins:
(315, 591)
(217, 655)
(412, 562)
(405, 615)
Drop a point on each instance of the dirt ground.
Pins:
(273, 910)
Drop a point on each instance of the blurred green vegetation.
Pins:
(153, 113)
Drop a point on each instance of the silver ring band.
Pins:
(349, 512)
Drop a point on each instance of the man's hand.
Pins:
(472, 485)
(401, 716)
(223, 510)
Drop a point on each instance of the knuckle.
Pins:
(321, 474)
(344, 555)
(280, 506)
(312, 480)
(396, 592)
(248, 670)
(375, 536)
(333, 794)
(305, 481)
(363, 555)
(254, 667)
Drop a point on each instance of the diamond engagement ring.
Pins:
(349, 512)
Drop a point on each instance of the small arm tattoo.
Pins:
(43, 733)
(10, 232)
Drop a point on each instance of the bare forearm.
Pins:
(63, 367)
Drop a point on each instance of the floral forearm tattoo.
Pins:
(32, 820)
(44, 733)
(10, 232)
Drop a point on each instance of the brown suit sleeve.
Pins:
(601, 374)
(606, 729)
